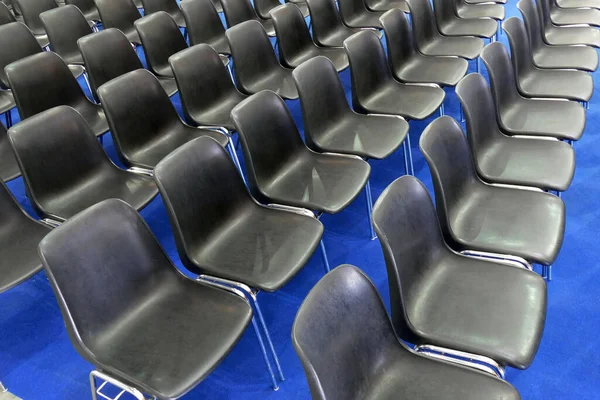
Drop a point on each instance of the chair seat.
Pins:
(18, 253)
(483, 27)
(168, 84)
(220, 45)
(546, 164)
(410, 101)
(219, 115)
(278, 80)
(465, 47)
(365, 20)
(336, 55)
(268, 25)
(572, 35)
(77, 70)
(133, 36)
(575, 17)
(336, 37)
(368, 136)
(151, 154)
(319, 182)
(572, 85)
(444, 71)
(94, 116)
(405, 372)
(303, 8)
(9, 169)
(92, 15)
(178, 18)
(583, 58)
(485, 1)
(136, 190)
(42, 40)
(578, 3)
(189, 328)
(495, 11)
(263, 248)
(385, 5)
(463, 305)
(518, 222)
(7, 101)
(560, 119)
(74, 58)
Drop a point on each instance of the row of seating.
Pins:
(280, 168)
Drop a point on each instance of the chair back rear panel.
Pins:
(65, 25)
(16, 42)
(237, 11)
(398, 37)
(120, 14)
(290, 27)
(325, 17)
(501, 74)
(423, 20)
(6, 17)
(520, 51)
(31, 10)
(202, 20)
(531, 19)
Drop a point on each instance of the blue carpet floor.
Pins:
(37, 360)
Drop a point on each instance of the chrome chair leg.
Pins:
(369, 199)
(253, 295)
(97, 390)
(442, 112)
(410, 157)
(549, 272)
(8, 118)
(264, 353)
(3, 388)
(462, 114)
(324, 254)
(234, 157)
(405, 151)
(478, 61)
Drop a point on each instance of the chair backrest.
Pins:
(202, 191)
(138, 110)
(253, 55)
(6, 17)
(369, 67)
(501, 74)
(107, 54)
(443, 10)
(349, 9)
(269, 136)
(263, 7)
(102, 264)
(531, 19)
(56, 151)
(341, 323)
(238, 11)
(203, 22)
(31, 10)
(322, 97)
(447, 152)
(43, 81)
(325, 18)
(520, 50)
(292, 32)
(544, 12)
(161, 38)
(86, 6)
(168, 6)
(65, 25)
(480, 113)
(202, 79)
(16, 42)
(398, 37)
(120, 14)
(411, 239)
(423, 21)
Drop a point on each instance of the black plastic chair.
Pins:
(546, 83)
(578, 3)
(411, 66)
(523, 116)
(386, 5)
(483, 218)
(120, 14)
(143, 121)
(65, 26)
(281, 169)
(66, 170)
(204, 25)
(238, 11)
(565, 35)
(31, 10)
(374, 89)
(330, 125)
(492, 10)
(327, 27)
(87, 8)
(367, 360)
(9, 169)
(560, 16)
(355, 14)
(449, 301)
(117, 288)
(264, 7)
(205, 88)
(47, 73)
(255, 64)
(223, 234)
(556, 57)
(295, 42)
(20, 237)
(6, 17)
(450, 24)
(545, 164)
(108, 54)
(168, 6)
(431, 42)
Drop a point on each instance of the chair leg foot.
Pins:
(324, 254)
(264, 353)
(369, 199)
(261, 320)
